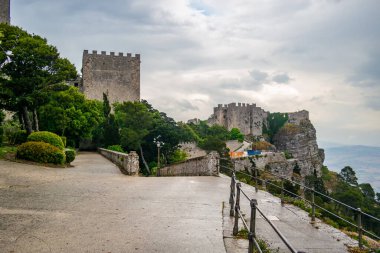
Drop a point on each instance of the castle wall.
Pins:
(248, 118)
(117, 75)
(5, 9)
(297, 117)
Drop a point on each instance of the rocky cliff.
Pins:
(299, 140)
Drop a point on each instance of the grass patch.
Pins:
(264, 246)
(5, 150)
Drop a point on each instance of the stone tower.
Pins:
(5, 11)
(248, 118)
(116, 75)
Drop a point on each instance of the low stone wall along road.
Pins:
(93, 207)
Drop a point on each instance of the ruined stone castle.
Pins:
(297, 137)
(5, 11)
(117, 75)
(247, 117)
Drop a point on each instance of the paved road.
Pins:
(292, 222)
(92, 207)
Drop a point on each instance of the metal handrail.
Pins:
(358, 226)
(238, 215)
(306, 187)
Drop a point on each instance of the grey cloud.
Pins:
(281, 78)
(185, 105)
(258, 76)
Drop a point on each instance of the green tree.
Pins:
(28, 66)
(275, 122)
(68, 113)
(348, 175)
(135, 122)
(212, 143)
(235, 134)
(367, 190)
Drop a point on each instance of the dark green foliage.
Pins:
(64, 140)
(288, 155)
(29, 65)
(212, 143)
(70, 155)
(235, 134)
(116, 148)
(2, 116)
(47, 137)
(68, 113)
(297, 169)
(348, 175)
(367, 190)
(19, 137)
(274, 187)
(177, 156)
(275, 122)
(1, 135)
(40, 152)
(293, 189)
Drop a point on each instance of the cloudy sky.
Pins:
(318, 55)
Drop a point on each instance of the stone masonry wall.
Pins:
(127, 163)
(274, 161)
(116, 75)
(247, 117)
(5, 7)
(191, 149)
(201, 166)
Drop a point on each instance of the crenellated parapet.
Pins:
(110, 54)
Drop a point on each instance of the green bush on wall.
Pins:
(116, 148)
(70, 155)
(40, 152)
(47, 137)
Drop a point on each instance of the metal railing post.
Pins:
(237, 209)
(360, 228)
(256, 181)
(232, 194)
(282, 192)
(312, 205)
(252, 225)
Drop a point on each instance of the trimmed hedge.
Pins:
(70, 155)
(47, 137)
(40, 152)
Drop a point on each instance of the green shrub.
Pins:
(47, 137)
(116, 148)
(70, 155)
(177, 156)
(19, 137)
(40, 152)
(64, 140)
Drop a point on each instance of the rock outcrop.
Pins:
(299, 140)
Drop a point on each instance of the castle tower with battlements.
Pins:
(117, 75)
(248, 118)
(5, 11)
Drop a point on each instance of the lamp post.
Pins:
(159, 145)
